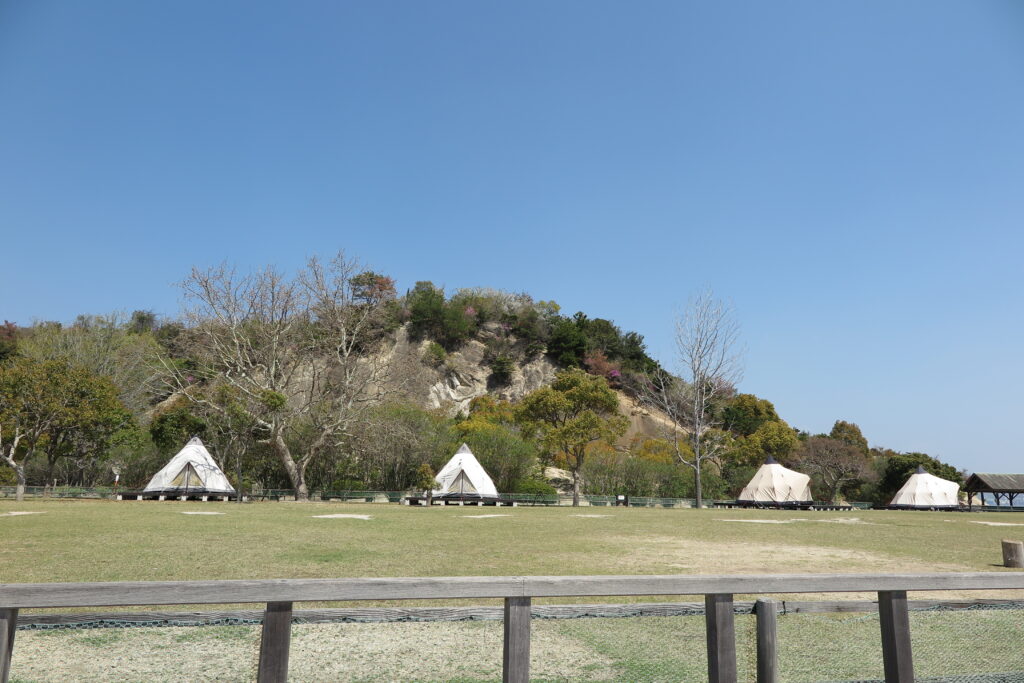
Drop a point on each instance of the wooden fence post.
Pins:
(721, 634)
(515, 664)
(8, 625)
(767, 657)
(896, 649)
(1013, 553)
(275, 643)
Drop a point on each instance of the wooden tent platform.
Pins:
(460, 501)
(201, 497)
(785, 506)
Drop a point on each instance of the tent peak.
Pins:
(195, 441)
(463, 449)
(771, 461)
(920, 470)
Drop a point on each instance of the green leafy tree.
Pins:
(745, 414)
(850, 433)
(566, 345)
(175, 425)
(57, 409)
(576, 410)
(775, 439)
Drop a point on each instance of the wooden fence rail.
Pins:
(517, 592)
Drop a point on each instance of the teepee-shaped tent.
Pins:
(924, 490)
(191, 472)
(773, 484)
(464, 477)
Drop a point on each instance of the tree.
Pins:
(392, 443)
(299, 354)
(745, 414)
(835, 462)
(706, 340)
(425, 479)
(574, 411)
(8, 340)
(103, 344)
(773, 439)
(850, 433)
(57, 409)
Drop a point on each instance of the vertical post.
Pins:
(721, 633)
(895, 622)
(515, 664)
(275, 642)
(1013, 553)
(767, 657)
(8, 625)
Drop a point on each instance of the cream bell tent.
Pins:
(191, 472)
(464, 476)
(773, 484)
(924, 490)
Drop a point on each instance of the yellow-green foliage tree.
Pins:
(59, 410)
(498, 443)
(775, 439)
(576, 410)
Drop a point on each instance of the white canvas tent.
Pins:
(464, 476)
(773, 484)
(924, 490)
(191, 472)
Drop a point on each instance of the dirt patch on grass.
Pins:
(735, 557)
(689, 556)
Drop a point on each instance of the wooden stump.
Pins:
(1013, 554)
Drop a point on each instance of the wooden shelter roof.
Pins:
(995, 483)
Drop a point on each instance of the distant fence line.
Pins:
(523, 499)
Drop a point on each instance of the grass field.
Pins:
(111, 541)
(108, 541)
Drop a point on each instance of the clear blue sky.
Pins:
(849, 174)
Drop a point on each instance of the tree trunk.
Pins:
(575, 488)
(238, 475)
(295, 474)
(19, 494)
(698, 491)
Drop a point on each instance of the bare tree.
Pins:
(300, 354)
(835, 462)
(707, 351)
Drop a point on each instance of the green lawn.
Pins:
(112, 541)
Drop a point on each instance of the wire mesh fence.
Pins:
(981, 643)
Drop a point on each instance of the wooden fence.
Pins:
(518, 592)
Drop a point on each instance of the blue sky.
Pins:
(850, 175)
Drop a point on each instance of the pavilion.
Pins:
(998, 485)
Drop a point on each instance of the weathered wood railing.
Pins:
(517, 592)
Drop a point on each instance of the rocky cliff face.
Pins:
(464, 375)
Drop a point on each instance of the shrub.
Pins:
(502, 368)
(434, 355)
